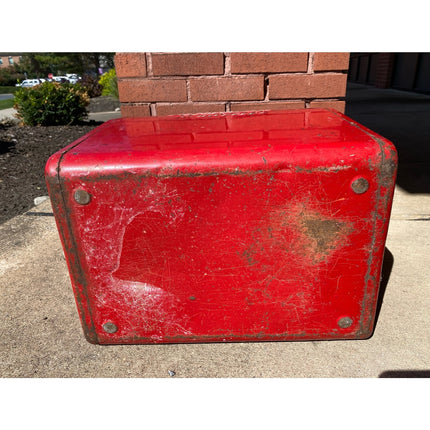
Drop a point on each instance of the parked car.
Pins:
(61, 79)
(26, 83)
(73, 77)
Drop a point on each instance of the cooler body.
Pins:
(253, 226)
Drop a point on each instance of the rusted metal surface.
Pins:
(345, 322)
(82, 197)
(360, 185)
(225, 227)
(110, 327)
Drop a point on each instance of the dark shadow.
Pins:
(403, 118)
(90, 122)
(405, 374)
(5, 146)
(387, 267)
(414, 178)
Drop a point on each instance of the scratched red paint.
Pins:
(225, 227)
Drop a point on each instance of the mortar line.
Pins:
(266, 87)
(311, 63)
(227, 64)
(149, 71)
(187, 83)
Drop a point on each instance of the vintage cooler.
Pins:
(252, 226)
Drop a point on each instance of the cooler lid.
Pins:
(232, 141)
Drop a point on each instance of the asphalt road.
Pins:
(6, 96)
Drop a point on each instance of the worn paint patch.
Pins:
(299, 234)
(324, 232)
(154, 310)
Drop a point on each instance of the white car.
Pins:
(61, 79)
(26, 83)
(73, 77)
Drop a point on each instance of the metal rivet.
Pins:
(82, 197)
(110, 327)
(360, 186)
(344, 322)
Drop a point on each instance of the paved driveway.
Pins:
(6, 96)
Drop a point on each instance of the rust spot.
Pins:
(323, 231)
(360, 185)
(249, 255)
(77, 272)
(388, 171)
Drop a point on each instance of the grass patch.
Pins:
(6, 104)
(8, 90)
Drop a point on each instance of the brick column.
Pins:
(173, 83)
(384, 70)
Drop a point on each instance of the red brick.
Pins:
(152, 90)
(231, 88)
(178, 108)
(185, 64)
(339, 105)
(130, 65)
(267, 105)
(326, 61)
(274, 62)
(133, 111)
(298, 86)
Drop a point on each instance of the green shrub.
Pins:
(91, 85)
(51, 103)
(110, 84)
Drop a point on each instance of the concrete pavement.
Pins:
(7, 113)
(41, 335)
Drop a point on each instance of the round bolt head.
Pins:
(82, 197)
(344, 322)
(360, 185)
(110, 327)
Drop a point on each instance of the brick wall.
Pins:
(384, 70)
(160, 84)
(4, 60)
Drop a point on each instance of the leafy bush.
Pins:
(51, 103)
(110, 84)
(91, 85)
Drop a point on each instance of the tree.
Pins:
(10, 75)
(59, 63)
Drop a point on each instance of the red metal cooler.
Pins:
(252, 226)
